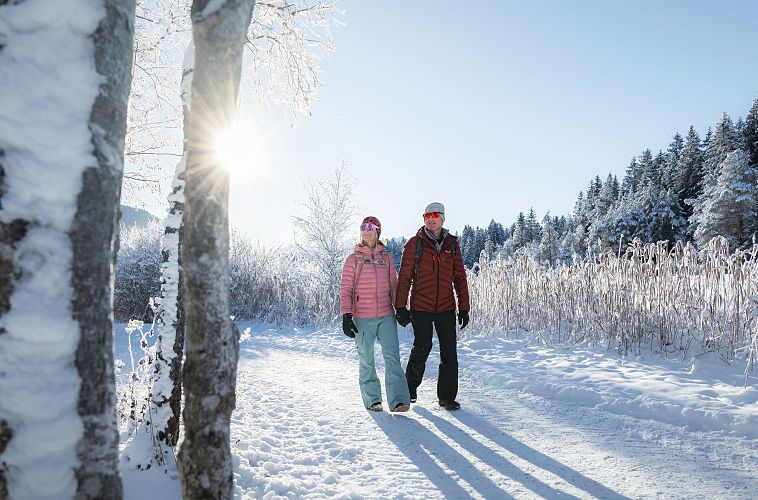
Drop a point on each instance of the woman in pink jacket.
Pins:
(367, 293)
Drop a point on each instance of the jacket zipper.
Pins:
(376, 286)
(437, 291)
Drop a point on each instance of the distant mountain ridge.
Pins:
(132, 216)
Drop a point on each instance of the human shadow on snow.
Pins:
(422, 447)
(491, 457)
(521, 450)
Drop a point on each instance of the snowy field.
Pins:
(535, 421)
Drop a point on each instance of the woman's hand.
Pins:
(403, 316)
(348, 327)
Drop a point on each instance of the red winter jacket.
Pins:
(437, 275)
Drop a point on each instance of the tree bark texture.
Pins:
(212, 345)
(59, 198)
(10, 234)
(94, 239)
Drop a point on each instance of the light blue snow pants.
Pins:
(385, 331)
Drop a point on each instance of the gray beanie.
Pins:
(436, 207)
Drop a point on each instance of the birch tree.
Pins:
(218, 31)
(167, 376)
(284, 44)
(64, 83)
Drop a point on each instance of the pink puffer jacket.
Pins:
(372, 296)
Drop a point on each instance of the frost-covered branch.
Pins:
(323, 227)
(285, 44)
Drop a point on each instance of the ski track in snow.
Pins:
(535, 422)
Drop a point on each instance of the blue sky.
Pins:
(499, 106)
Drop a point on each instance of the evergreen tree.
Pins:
(722, 142)
(480, 241)
(550, 242)
(673, 156)
(574, 243)
(659, 215)
(590, 199)
(521, 232)
(594, 188)
(672, 225)
(629, 184)
(598, 228)
(534, 230)
(645, 170)
(561, 224)
(395, 246)
(496, 233)
(688, 178)
(606, 197)
(729, 206)
(739, 130)
(750, 133)
(624, 222)
(655, 175)
(598, 232)
(468, 246)
(578, 215)
(489, 249)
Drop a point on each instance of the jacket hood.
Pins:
(421, 233)
(366, 250)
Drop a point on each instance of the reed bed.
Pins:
(672, 300)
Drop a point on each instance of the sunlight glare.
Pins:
(238, 148)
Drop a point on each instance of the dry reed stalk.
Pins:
(667, 299)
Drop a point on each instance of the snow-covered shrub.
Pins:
(138, 267)
(277, 284)
(273, 284)
(135, 414)
(133, 395)
(667, 299)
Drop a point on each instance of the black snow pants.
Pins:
(444, 324)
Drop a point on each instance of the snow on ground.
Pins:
(536, 421)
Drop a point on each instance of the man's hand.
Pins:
(348, 327)
(463, 319)
(403, 316)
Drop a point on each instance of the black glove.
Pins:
(463, 319)
(403, 316)
(348, 327)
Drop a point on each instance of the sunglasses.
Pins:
(432, 215)
(369, 227)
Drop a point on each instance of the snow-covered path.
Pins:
(300, 429)
(536, 421)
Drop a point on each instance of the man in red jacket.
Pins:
(431, 267)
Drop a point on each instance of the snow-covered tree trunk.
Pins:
(166, 385)
(65, 71)
(167, 378)
(219, 32)
(94, 237)
(285, 39)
